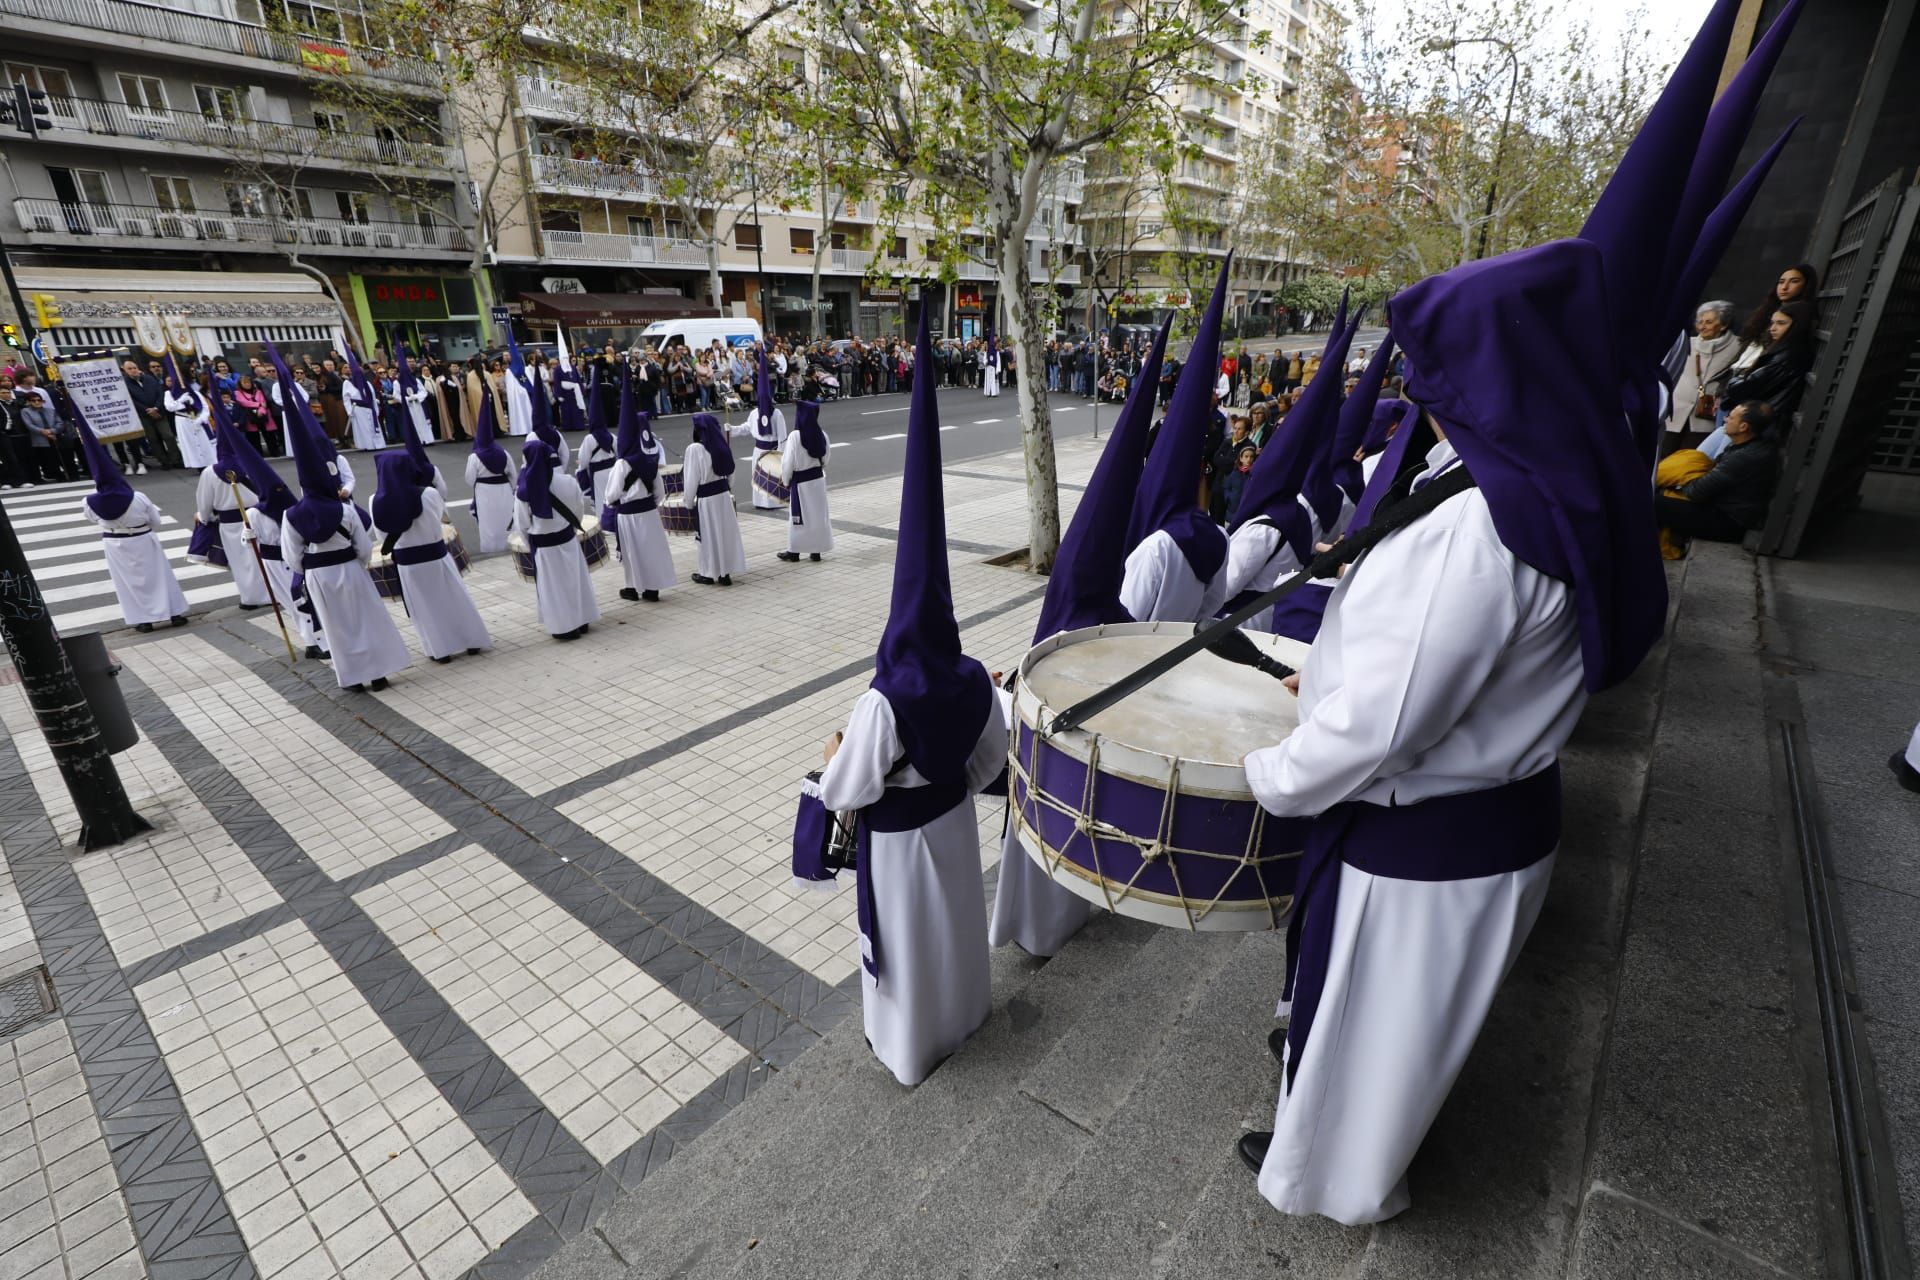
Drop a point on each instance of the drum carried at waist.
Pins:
(386, 574)
(1145, 808)
(674, 518)
(593, 544)
(766, 476)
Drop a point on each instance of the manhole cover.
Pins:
(24, 999)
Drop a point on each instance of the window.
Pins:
(246, 200)
(800, 239)
(175, 195)
(143, 93)
(676, 229)
(354, 206)
(303, 202)
(639, 228)
(51, 81)
(315, 18)
(559, 220)
(218, 103)
(898, 249)
(329, 121)
(79, 186)
(746, 235)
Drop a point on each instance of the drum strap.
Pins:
(1387, 519)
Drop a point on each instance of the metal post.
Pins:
(106, 814)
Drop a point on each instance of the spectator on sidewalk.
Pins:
(16, 447)
(147, 391)
(55, 448)
(1778, 379)
(1709, 360)
(1725, 501)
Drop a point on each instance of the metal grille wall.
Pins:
(93, 337)
(243, 334)
(1898, 448)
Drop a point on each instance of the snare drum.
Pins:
(672, 480)
(593, 544)
(1145, 808)
(386, 574)
(675, 519)
(766, 476)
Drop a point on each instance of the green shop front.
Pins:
(441, 315)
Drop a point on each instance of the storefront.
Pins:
(206, 313)
(439, 315)
(596, 319)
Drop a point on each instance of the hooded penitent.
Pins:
(226, 460)
(274, 497)
(111, 495)
(763, 400)
(319, 513)
(707, 430)
(635, 445)
(491, 455)
(596, 411)
(806, 417)
(416, 451)
(1380, 425)
(542, 417)
(396, 503)
(1318, 486)
(1084, 588)
(566, 402)
(518, 389)
(940, 697)
(993, 348)
(177, 383)
(1356, 423)
(1169, 497)
(364, 385)
(535, 477)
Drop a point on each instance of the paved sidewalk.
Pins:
(417, 983)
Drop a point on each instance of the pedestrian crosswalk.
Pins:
(63, 548)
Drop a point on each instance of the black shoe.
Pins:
(1277, 1045)
(1253, 1150)
(567, 635)
(313, 651)
(177, 620)
(378, 684)
(726, 579)
(650, 595)
(581, 629)
(789, 556)
(628, 593)
(473, 653)
(326, 655)
(815, 557)
(143, 627)
(1903, 773)
(444, 661)
(703, 581)
(356, 688)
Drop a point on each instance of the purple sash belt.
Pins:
(713, 489)
(229, 516)
(327, 559)
(131, 533)
(1461, 837)
(489, 479)
(793, 490)
(425, 553)
(601, 464)
(269, 550)
(898, 809)
(558, 538)
(636, 507)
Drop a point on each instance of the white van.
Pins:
(699, 334)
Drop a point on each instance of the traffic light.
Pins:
(12, 335)
(46, 311)
(27, 110)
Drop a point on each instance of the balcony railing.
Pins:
(600, 246)
(151, 225)
(221, 36)
(243, 137)
(594, 177)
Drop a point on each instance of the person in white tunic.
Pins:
(415, 429)
(597, 447)
(547, 514)
(990, 365)
(707, 471)
(1174, 570)
(803, 469)
(143, 581)
(1029, 908)
(407, 519)
(217, 502)
(635, 491)
(326, 542)
(766, 426)
(529, 411)
(192, 427)
(921, 742)
(362, 404)
(490, 477)
(272, 498)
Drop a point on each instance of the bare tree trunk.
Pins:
(820, 250)
(1036, 420)
(713, 272)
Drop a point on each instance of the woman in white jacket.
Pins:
(1709, 359)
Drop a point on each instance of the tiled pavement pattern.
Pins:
(415, 984)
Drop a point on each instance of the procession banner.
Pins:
(100, 391)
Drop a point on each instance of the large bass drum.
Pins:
(1145, 808)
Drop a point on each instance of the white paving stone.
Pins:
(334, 1151)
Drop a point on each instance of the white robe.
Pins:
(192, 432)
(1257, 559)
(363, 416)
(213, 496)
(645, 557)
(143, 581)
(1370, 464)
(563, 585)
(1160, 585)
(1913, 748)
(589, 453)
(492, 503)
(1466, 675)
(444, 616)
(1028, 907)
(762, 501)
(413, 405)
(813, 535)
(989, 377)
(721, 552)
(933, 990)
(266, 532)
(359, 631)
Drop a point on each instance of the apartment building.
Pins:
(201, 164)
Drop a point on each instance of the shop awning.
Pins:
(610, 308)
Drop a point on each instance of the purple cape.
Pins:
(1356, 421)
(112, 494)
(319, 513)
(631, 446)
(706, 431)
(396, 502)
(806, 418)
(491, 455)
(540, 462)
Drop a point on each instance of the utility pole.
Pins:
(53, 691)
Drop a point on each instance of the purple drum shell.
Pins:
(679, 520)
(594, 545)
(206, 546)
(673, 480)
(386, 579)
(1199, 822)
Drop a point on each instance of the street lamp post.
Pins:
(1506, 122)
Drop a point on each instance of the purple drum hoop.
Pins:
(386, 579)
(769, 483)
(594, 545)
(1219, 826)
